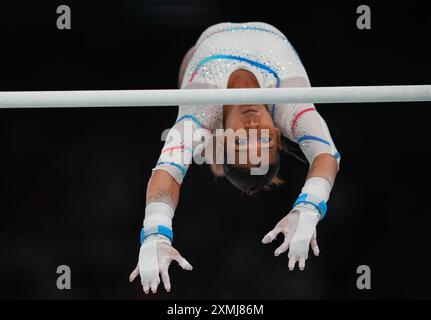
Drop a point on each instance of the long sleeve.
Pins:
(301, 123)
(182, 142)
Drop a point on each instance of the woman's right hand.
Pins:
(155, 256)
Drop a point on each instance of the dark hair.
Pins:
(242, 178)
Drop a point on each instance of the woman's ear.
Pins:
(217, 170)
(216, 157)
(277, 181)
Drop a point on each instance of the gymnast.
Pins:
(246, 55)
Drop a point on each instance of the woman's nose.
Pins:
(252, 124)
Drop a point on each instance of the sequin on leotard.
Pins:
(266, 52)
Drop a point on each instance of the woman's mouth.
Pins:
(248, 110)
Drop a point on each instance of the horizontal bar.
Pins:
(175, 97)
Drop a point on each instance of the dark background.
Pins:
(73, 182)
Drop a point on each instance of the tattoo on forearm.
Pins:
(162, 195)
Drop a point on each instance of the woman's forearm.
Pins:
(162, 187)
(324, 166)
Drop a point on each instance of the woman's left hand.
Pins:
(299, 229)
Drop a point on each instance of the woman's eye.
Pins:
(241, 142)
(265, 140)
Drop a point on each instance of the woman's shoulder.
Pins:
(215, 28)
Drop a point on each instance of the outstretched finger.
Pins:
(155, 284)
(283, 247)
(301, 263)
(183, 262)
(270, 236)
(292, 262)
(134, 274)
(315, 247)
(146, 286)
(166, 280)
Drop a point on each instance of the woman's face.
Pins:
(248, 122)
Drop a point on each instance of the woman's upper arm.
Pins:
(184, 64)
(301, 123)
(176, 156)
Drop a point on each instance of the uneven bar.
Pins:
(175, 97)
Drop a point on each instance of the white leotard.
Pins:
(264, 51)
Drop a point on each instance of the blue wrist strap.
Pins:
(319, 204)
(157, 230)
